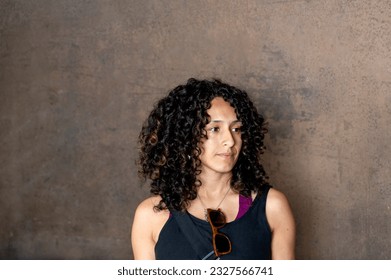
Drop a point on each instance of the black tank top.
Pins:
(250, 236)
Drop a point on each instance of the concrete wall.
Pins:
(77, 79)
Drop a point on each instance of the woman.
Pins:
(201, 148)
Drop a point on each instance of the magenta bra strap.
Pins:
(244, 204)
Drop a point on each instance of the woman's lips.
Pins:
(225, 155)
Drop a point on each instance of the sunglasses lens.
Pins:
(217, 218)
(223, 245)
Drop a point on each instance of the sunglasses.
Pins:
(221, 242)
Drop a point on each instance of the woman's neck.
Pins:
(214, 186)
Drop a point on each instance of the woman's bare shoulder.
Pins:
(147, 210)
(278, 209)
(276, 198)
(148, 222)
(149, 203)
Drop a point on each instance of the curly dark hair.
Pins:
(170, 137)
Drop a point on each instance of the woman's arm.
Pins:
(282, 224)
(146, 227)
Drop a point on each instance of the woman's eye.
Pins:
(214, 129)
(237, 129)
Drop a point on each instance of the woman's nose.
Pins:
(228, 139)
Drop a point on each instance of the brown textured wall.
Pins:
(77, 79)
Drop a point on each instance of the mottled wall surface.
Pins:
(77, 79)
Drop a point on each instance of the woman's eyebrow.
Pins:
(221, 121)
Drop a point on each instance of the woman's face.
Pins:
(220, 150)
